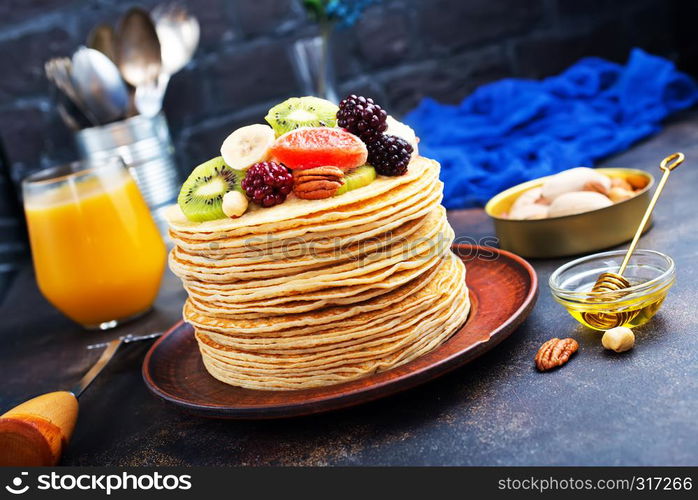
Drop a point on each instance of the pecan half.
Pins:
(317, 183)
(555, 352)
(326, 171)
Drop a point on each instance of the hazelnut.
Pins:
(573, 180)
(618, 194)
(619, 182)
(577, 203)
(234, 204)
(596, 186)
(636, 181)
(618, 339)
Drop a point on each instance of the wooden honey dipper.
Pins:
(615, 282)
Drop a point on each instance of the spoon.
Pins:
(58, 71)
(178, 33)
(101, 38)
(612, 282)
(138, 49)
(99, 84)
(68, 112)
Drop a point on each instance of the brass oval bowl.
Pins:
(570, 234)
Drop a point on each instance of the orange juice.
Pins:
(97, 252)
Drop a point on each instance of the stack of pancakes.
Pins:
(313, 293)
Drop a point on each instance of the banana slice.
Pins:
(402, 131)
(247, 146)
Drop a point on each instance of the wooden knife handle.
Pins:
(36, 432)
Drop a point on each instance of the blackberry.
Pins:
(389, 155)
(362, 117)
(267, 183)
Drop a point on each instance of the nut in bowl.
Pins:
(650, 274)
(575, 212)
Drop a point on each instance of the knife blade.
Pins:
(126, 339)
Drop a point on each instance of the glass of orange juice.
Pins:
(97, 252)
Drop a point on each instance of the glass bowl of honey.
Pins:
(651, 274)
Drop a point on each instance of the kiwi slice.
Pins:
(299, 112)
(359, 177)
(201, 197)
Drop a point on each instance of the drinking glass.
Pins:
(97, 252)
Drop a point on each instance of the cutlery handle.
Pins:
(35, 432)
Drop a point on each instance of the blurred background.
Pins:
(398, 52)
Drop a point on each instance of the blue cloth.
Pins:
(515, 130)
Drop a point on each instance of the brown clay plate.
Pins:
(503, 289)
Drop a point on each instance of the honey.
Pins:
(631, 313)
(650, 275)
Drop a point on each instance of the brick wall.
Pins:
(399, 52)
(12, 232)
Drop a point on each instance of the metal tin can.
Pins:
(145, 146)
(571, 234)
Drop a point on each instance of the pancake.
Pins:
(311, 293)
(448, 275)
(433, 231)
(325, 233)
(292, 313)
(295, 210)
(378, 340)
(428, 335)
(349, 248)
(313, 300)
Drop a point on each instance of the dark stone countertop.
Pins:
(639, 407)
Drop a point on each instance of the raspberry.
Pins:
(267, 183)
(389, 155)
(362, 117)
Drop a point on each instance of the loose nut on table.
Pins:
(618, 339)
(555, 352)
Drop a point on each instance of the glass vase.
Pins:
(312, 61)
